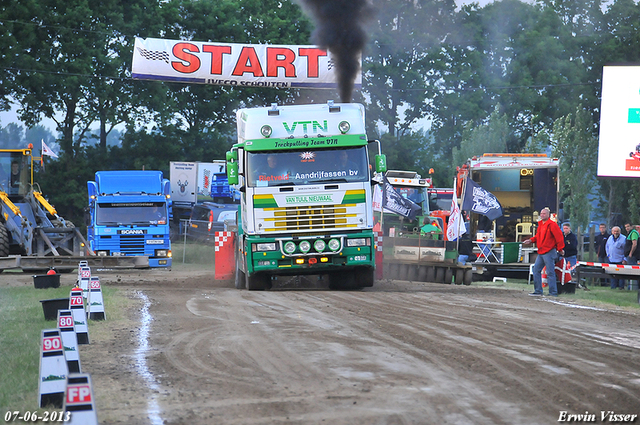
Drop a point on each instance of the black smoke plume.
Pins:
(340, 28)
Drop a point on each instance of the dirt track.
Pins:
(202, 352)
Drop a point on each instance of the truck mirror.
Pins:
(232, 156)
(381, 163)
(232, 172)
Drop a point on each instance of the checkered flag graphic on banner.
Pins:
(330, 64)
(154, 55)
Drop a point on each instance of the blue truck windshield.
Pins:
(307, 167)
(140, 213)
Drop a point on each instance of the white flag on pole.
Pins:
(46, 150)
(377, 198)
(455, 229)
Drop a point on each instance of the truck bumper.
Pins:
(279, 263)
(160, 262)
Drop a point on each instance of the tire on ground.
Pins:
(448, 275)
(4, 241)
(257, 281)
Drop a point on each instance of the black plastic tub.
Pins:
(46, 281)
(51, 307)
(567, 288)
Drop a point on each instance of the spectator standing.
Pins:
(601, 248)
(631, 248)
(615, 252)
(570, 245)
(601, 243)
(550, 242)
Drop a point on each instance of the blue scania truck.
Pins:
(130, 212)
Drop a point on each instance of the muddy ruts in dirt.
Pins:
(340, 28)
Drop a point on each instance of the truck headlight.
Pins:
(102, 253)
(289, 247)
(265, 246)
(334, 245)
(319, 245)
(266, 131)
(305, 246)
(344, 126)
(162, 253)
(357, 242)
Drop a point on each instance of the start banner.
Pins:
(232, 64)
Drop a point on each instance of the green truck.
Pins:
(306, 194)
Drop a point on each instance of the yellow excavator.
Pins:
(29, 224)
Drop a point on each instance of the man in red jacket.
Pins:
(550, 242)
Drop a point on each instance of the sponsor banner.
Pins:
(619, 148)
(232, 64)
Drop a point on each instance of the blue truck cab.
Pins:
(130, 213)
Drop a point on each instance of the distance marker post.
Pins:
(53, 369)
(78, 400)
(95, 304)
(76, 305)
(84, 275)
(67, 329)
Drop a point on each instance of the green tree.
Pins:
(396, 65)
(491, 137)
(576, 146)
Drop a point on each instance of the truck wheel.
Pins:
(365, 277)
(459, 276)
(468, 277)
(448, 275)
(412, 273)
(393, 270)
(403, 272)
(422, 274)
(431, 274)
(439, 274)
(240, 278)
(257, 282)
(4, 241)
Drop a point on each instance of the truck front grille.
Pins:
(307, 217)
(132, 244)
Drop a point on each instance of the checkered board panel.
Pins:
(222, 238)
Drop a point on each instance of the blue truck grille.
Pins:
(132, 244)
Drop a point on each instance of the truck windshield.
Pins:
(415, 194)
(14, 173)
(307, 167)
(141, 213)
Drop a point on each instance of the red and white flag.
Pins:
(455, 227)
(46, 150)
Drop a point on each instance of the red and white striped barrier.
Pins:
(607, 265)
(614, 268)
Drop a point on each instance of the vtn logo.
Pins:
(132, 232)
(305, 126)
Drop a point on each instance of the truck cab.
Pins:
(306, 204)
(129, 215)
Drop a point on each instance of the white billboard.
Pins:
(619, 143)
(232, 64)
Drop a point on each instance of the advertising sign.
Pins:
(232, 64)
(619, 144)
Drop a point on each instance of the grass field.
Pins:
(596, 296)
(22, 319)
